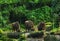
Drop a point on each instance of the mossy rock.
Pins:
(14, 35)
(51, 38)
(36, 35)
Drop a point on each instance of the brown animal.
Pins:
(41, 26)
(16, 26)
(29, 25)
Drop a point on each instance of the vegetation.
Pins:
(47, 11)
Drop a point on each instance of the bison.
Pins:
(41, 26)
(29, 25)
(16, 26)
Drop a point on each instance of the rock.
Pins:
(15, 35)
(52, 38)
(36, 35)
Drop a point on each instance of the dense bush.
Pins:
(22, 10)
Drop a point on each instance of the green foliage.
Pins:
(21, 10)
(1, 31)
(5, 38)
(40, 11)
